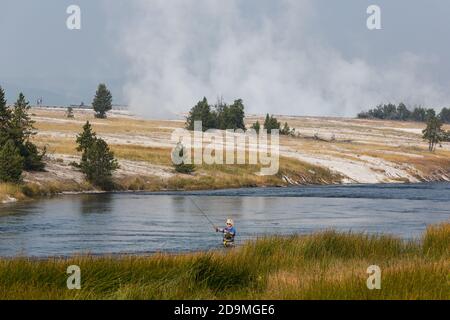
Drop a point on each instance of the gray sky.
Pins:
(304, 57)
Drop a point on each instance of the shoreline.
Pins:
(24, 198)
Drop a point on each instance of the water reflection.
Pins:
(96, 203)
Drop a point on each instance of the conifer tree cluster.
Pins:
(220, 116)
(17, 152)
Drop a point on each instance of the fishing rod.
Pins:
(204, 214)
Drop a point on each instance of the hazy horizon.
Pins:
(292, 57)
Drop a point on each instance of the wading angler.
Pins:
(228, 147)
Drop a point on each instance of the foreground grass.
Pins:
(327, 265)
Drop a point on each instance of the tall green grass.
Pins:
(436, 240)
(326, 265)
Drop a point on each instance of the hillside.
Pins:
(327, 151)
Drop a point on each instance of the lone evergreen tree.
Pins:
(99, 164)
(102, 101)
(433, 133)
(11, 163)
(97, 160)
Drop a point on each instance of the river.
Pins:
(141, 223)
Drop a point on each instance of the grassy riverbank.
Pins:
(327, 265)
(206, 177)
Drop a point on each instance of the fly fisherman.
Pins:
(229, 232)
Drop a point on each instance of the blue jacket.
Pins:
(228, 230)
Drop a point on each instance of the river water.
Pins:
(140, 223)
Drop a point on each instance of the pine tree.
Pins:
(256, 126)
(267, 121)
(403, 113)
(222, 117)
(22, 125)
(21, 130)
(33, 160)
(202, 112)
(430, 114)
(271, 123)
(286, 130)
(445, 115)
(97, 160)
(235, 116)
(99, 164)
(5, 119)
(85, 140)
(11, 163)
(418, 114)
(5, 113)
(102, 101)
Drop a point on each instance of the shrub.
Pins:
(69, 113)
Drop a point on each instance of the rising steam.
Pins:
(182, 50)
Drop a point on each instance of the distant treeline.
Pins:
(224, 116)
(219, 116)
(402, 113)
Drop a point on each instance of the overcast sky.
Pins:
(303, 57)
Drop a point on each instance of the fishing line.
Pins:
(204, 214)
